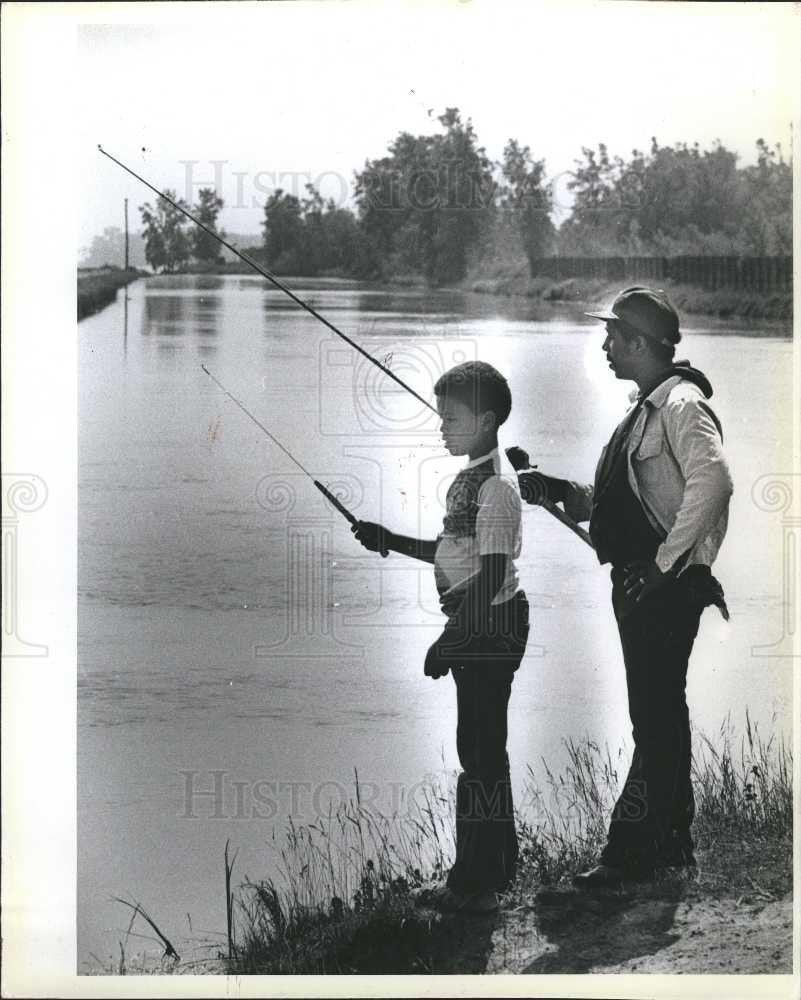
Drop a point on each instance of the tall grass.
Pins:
(745, 788)
(345, 895)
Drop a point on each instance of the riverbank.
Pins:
(97, 287)
(588, 292)
(733, 914)
(350, 899)
(592, 292)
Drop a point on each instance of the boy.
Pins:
(485, 636)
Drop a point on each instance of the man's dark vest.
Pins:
(619, 527)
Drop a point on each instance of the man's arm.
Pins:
(377, 538)
(698, 449)
(575, 497)
(695, 441)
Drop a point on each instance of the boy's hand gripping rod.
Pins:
(551, 508)
(343, 510)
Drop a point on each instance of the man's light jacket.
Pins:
(679, 473)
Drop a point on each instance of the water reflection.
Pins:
(125, 300)
(164, 315)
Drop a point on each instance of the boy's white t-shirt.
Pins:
(483, 517)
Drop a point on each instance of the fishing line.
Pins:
(272, 278)
(552, 509)
(334, 501)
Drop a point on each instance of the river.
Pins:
(232, 633)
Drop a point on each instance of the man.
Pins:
(658, 512)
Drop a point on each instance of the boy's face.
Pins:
(463, 431)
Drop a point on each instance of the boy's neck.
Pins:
(483, 447)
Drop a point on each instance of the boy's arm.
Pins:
(376, 538)
(471, 618)
(497, 532)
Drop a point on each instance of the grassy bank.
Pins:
(722, 302)
(589, 292)
(98, 287)
(345, 901)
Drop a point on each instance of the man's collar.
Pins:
(494, 455)
(658, 396)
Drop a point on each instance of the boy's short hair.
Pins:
(479, 386)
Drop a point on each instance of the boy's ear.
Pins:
(488, 421)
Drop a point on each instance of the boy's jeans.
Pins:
(486, 842)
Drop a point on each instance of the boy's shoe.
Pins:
(609, 877)
(447, 900)
(599, 877)
(434, 896)
(678, 854)
(480, 903)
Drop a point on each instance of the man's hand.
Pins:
(536, 487)
(437, 665)
(642, 579)
(533, 487)
(374, 537)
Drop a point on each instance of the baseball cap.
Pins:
(646, 310)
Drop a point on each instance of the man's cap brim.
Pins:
(606, 314)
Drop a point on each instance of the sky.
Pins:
(311, 90)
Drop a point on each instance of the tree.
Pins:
(166, 243)
(204, 247)
(527, 200)
(109, 249)
(679, 199)
(768, 218)
(283, 232)
(423, 207)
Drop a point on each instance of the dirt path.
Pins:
(616, 932)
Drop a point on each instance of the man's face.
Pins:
(618, 351)
(462, 430)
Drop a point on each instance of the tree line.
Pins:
(440, 207)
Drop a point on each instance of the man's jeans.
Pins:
(652, 817)
(486, 842)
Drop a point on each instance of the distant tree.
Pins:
(283, 231)
(204, 247)
(679, 199)
(768, 217)
(425, 205)
(108, 249)
(527, 200)
(167, 246)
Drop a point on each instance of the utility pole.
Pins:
(126, 234)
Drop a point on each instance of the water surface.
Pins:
(240, 655)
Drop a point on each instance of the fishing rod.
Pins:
(558, 514)
(343, 510)
(519, 460)
(272, 278)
